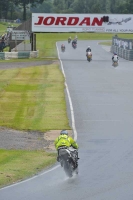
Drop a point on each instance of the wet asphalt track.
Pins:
(102, 98)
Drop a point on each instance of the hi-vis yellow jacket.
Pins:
(65, 140)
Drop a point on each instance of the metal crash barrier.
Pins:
(123, 47)
(12, 55)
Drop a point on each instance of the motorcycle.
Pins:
(115, 63)
(68, 159)
(69, 40)
(74, 45)
(63, 49)
(89, 56)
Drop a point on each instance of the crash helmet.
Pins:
(115, 53)
(64, 132)
(89, 47)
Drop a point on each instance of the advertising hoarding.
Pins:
(110, 23)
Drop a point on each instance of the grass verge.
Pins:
(4, 25)
(20, 164)
(33, 98)
(108, 43)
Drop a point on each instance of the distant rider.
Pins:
(115, 58)
(76, 38)
(69, 39)
(62, 46)
(88, 50)
(65, 141)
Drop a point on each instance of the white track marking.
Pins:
(69, 98)
(105, 47)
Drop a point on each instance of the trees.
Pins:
(4, 7)
(9, 8)
(24, 4)
(62, 6)
(45, 7)
(129, 6)
(80, 6)
(122, 6)
(93, 6)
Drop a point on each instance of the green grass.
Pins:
(4, 25)
(20, 164)
(33, 99)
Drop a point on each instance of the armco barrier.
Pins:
(23, 54)
(11, 55)
(2, 56)
(123, 47)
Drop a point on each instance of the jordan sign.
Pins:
(111, 23)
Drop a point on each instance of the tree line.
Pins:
(22, 9)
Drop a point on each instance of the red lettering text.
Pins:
(72, 21)
(40, 20)
(49, 21)
(86, 21)
(60, 20)
(97, 21)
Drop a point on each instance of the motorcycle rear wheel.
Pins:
(68, 168)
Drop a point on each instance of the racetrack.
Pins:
(102, 98)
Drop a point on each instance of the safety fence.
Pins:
(123, 47)
(20, 54)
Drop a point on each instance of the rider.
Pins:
(115, 57)
(69, 39)
(88, 50)
(65, 141)
(62, 46)
(76, 38)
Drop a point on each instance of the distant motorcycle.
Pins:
(74, 45)
(69, 40)
(115, 63)
(89, 56)
(69, 160)
(63, 48)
